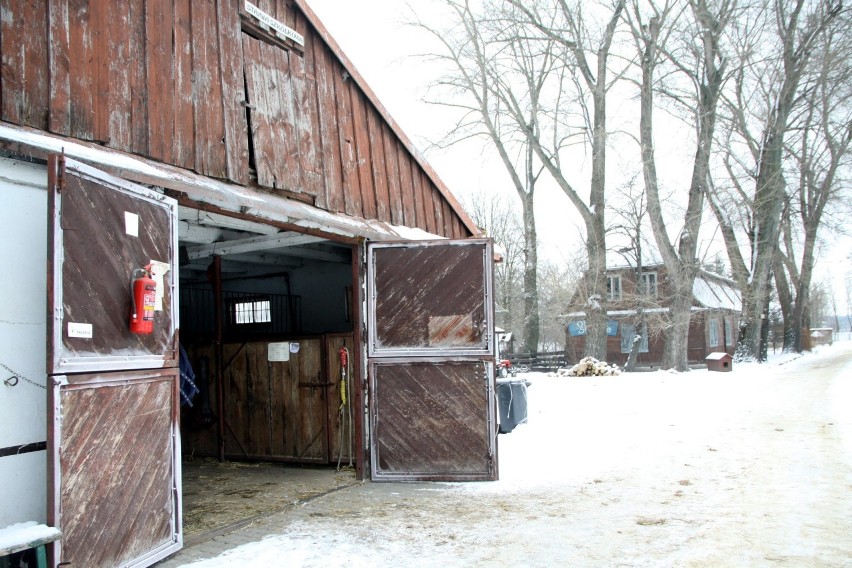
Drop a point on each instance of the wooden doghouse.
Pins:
(719, 361)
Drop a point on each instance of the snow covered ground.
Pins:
(747, 468)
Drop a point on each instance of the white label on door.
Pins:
(278, 352)
(81, 330)
(131, 224)
(294, 348)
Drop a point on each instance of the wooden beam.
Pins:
(251, 244)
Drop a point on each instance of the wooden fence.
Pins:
(542, 361)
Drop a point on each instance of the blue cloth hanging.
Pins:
(188, 389)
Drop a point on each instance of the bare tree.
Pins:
(497, 79)
(586, 44)
(689, 43)
(818, 152)
(502, 223)
(767, 93)
(558, 283)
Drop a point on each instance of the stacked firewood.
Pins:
(590, 367)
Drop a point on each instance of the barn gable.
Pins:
(212, 88)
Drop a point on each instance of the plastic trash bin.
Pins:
(511, 403)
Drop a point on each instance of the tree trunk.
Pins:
(675, 349)
(785, 299)
(798, 35)
(531, 304)
(681, 263)
(639, 323)
(596, 303)
(800, 309)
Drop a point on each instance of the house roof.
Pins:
(715, 292)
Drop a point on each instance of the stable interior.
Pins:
(273, 399)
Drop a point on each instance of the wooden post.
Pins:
(214, 273)
(359, 379)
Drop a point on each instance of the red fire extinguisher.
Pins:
(144, 292)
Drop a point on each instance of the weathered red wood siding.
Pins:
(194, 85)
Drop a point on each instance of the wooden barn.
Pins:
(216, 193)
(641, 301)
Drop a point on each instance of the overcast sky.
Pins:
(374, 36)
(384, 50)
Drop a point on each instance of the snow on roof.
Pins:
(715, 292)
(716, 356)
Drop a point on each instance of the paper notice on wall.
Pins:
(131, 224)
(158, 272)
(278, 351)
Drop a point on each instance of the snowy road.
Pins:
(749, 468)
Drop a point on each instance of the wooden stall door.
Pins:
(276, 410)
(431, 361)
(113, 443)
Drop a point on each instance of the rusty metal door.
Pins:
(431, 361)
(113, 439)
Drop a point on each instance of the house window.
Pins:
(251, 311)
(628, 333)
(729, 332)
(648, 284)
(713, 330)
(613, 287)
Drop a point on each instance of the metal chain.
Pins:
(16, 376)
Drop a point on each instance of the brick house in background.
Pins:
(642, 301)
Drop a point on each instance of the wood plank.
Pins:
(312, 424)
(291, 408)
(159, 58)
(99, 66)
(233, 90)
(259, 403)
(115, 79)
(34, 106)
(393, 176)
(447, 214)
(236, 399)
(419, 201)
(438, 210)
(139, 95)
(60, 68)
(346, 121)
(329, 136)
(279, 378)
(406, 186)
(307, 126)
(428, 206)
(207, 91)
(380, 172)
(83, 71)
(183, 131)
(363, 153)
(290, 169)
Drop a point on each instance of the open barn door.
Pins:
(113, 446)
(431, 361)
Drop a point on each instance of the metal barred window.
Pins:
(255, 311)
